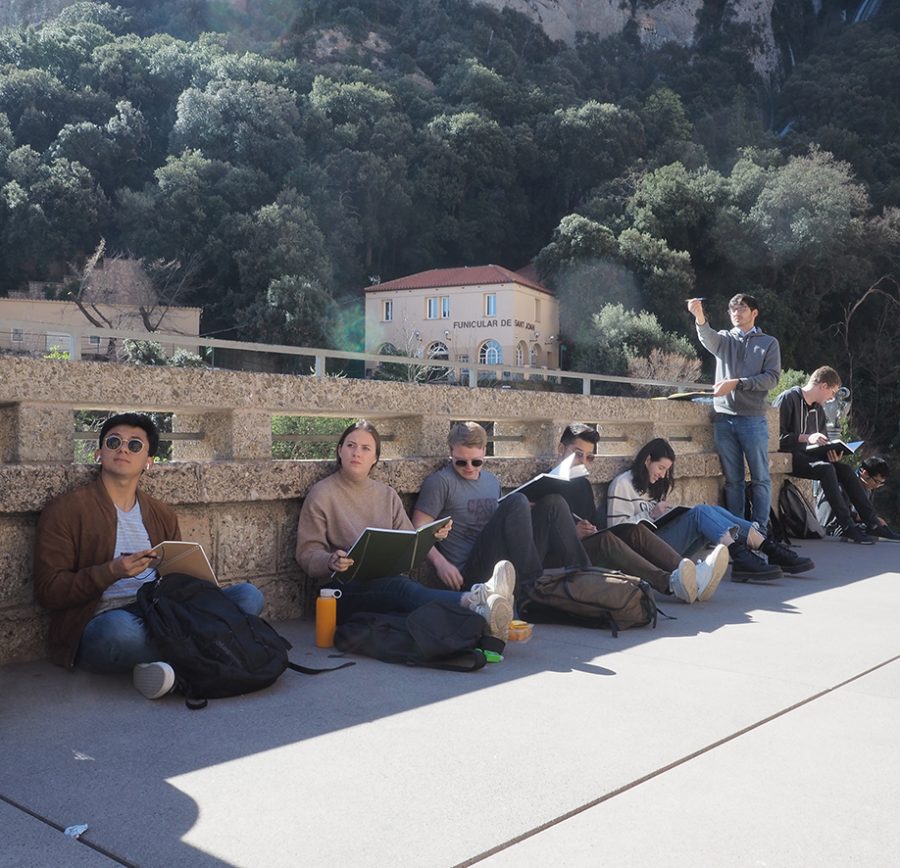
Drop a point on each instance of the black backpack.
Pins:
(214, 646)
(437, 635)
(797, 517)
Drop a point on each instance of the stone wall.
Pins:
(242, 505)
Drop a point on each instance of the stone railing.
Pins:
(240, 503)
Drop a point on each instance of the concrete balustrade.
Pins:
(241, 504)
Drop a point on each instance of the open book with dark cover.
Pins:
(176, 556)
(653, 523)
(820, 453)
(666, 517)
(381, 551)
(554, 481)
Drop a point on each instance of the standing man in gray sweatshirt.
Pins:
(748, 365)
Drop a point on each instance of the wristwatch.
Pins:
(740, 386)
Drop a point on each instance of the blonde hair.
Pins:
(469, 434)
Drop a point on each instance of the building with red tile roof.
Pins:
(484, 314)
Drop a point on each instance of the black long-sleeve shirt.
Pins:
(797, 417)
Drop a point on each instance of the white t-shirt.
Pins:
(131, 536)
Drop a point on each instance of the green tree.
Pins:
(614, 337)
(248, 123)
(677, 206)
(593, 142)
(295, 311)
(277, 240)
(666, 276)
(52, 211)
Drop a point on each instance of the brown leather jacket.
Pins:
(74, 549)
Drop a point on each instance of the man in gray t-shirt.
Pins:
(485, 531)
(471, 503)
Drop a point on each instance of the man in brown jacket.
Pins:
(92, 553)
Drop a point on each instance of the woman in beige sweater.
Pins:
(340, 507)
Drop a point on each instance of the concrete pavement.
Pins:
(759, 729)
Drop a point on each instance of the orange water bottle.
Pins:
(326, 616)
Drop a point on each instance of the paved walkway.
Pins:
(759, 729)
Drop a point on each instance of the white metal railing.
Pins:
(319, 356)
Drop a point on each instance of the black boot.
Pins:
(745, 565)
(785, 557)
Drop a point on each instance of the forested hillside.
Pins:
(286, 153)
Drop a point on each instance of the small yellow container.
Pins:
(520, 631)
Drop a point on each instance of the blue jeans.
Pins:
(738, 438)
(116, 640)
(700, 525)
(388, 594)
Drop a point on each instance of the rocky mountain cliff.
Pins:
(657, 22)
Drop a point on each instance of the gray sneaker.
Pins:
(502, 582)
(498, 612)
(153, 679)
(710, 572)
(683, 582)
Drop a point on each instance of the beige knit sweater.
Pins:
(336, 511)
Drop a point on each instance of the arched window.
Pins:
(438, 350)
(536, 355)
(521, 351)
(490, 353)
(388, 349)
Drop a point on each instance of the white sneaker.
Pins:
(498, 613)
(683, 582)
(502, 582)
(153, 679)
(710, 571)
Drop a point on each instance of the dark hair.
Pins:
(876, 466)
(744, 298)
(133, 420)
(654, 450)
(579, 431)
(359, 425)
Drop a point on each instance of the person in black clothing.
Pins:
(802, 422)
(872, 473)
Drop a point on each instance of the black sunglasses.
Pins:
(462, 462)
(114, 441)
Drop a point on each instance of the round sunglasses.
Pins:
(114, 442)
(462, 462)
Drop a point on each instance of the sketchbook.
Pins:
(685, 396)
(554, 481)
(189, 558)
(653, 524)
(381, 551)
(820, 453)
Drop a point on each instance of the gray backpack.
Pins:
(797, 517)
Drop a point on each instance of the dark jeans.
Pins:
(116, 640)
(388, 594)
(531, 537)
(839, 483)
